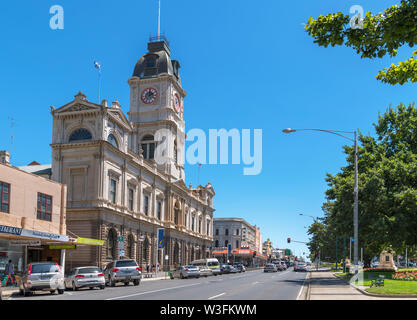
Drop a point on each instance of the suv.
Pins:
(46, 276)
(122, 271)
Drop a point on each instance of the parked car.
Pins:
(45, 276)
(300, 267)
(206, 271)
(85, 277)
(185, 272)
(284, 265)
(225, 268)
(122, 271)
(233, 269)
(240, 266)
(270, 267)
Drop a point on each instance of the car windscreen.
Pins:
(126, 263)
(44, 268)
(212, 263)
(190, 267)
(88, 270)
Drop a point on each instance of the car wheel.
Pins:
(52, 291)
(74, 287)
(102, 287)
(171, 276)
(181, 276)
(136, 282)
(21, 292)
(91, 288)
(60, 291)
(126, 283)
(111, 282)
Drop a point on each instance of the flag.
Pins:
(199, 164)
(97, 65)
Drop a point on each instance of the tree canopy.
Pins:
(380, 34)
(387, 189)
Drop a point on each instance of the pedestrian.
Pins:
(153, 268)
(147, 268)
(10, 272)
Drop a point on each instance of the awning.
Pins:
(14, 233)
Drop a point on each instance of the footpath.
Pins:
(324, 285)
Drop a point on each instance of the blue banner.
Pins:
(229, 249)
(160, 238)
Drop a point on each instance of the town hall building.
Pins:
(117, 188)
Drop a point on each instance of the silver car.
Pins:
(270, 267)
(205, 271)
(122, 271)
(185, 272)
(47, 276)
(85, 277)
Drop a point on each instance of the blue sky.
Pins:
(244, 64)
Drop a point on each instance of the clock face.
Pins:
(149, 95)
(177, 103)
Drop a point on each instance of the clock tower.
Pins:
(156, 109)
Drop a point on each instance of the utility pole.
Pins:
(336, 252)
(344, 254)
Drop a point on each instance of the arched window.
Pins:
(148, 147)
(113, 141)
(130, 252)
(226, 243)
(176, 213)
(80, 134)
(111, 244)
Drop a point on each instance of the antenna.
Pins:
(159, 18)
(12, 123)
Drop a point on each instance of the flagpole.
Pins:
(99, 71)
(159, 18)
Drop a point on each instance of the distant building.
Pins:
(267, 247)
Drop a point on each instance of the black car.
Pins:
(225, 268)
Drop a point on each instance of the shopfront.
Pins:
(23, 246)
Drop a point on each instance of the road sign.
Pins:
(121, 245)
(120, 239)
(121, 253)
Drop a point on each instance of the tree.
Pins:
(387, 189)
(381, 34)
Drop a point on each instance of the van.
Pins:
(210, 263)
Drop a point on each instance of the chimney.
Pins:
(4, 157)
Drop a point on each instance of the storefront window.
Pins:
(14, 253)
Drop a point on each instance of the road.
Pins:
(253, 285)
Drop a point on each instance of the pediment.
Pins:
(119, 115)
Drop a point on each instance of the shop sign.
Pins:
(93, 242)
(43, 235)
(11, 230)
(62, 246)
(32, 243)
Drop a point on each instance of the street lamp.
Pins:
(355, 189)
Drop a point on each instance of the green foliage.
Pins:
(387, 168)
(382, 34)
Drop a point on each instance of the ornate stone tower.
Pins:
(156, 109)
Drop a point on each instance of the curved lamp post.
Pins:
(355, 189)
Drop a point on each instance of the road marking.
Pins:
(255, 282)
(301, 290)
(219, 295)
(153, 291)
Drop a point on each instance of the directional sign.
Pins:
(120, 239)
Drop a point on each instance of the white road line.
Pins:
(153, 291)
(301, 290)
(255, 282)
(219, 295)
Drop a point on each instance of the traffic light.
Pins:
(254, 254)
(289, 240)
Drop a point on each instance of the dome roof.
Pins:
(156, 61)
